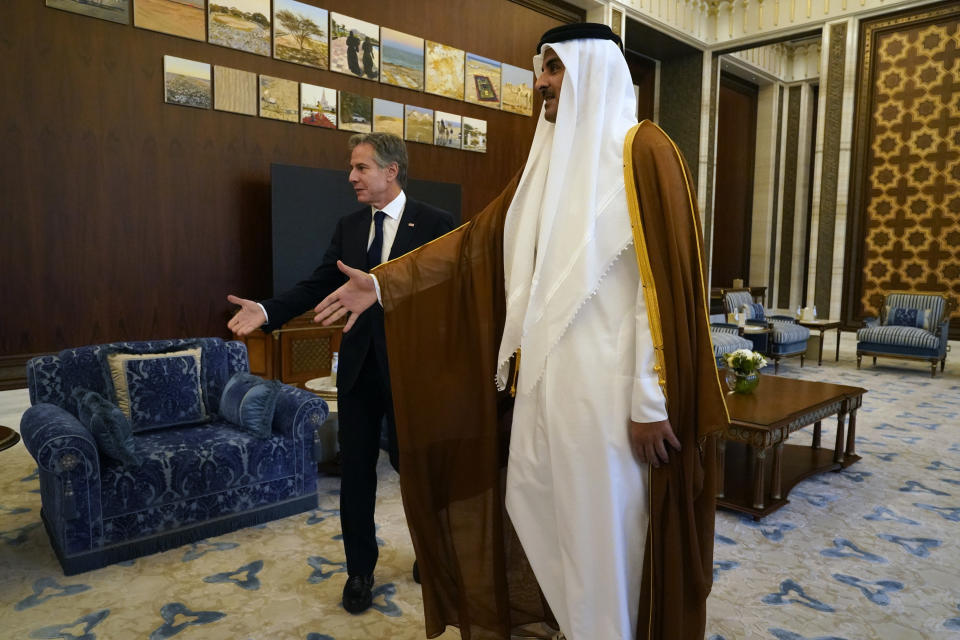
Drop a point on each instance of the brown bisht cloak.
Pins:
(444, 311)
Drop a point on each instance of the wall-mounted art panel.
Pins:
(356, 112)
(184, 18)
(186, 82)
(354, 47)
(279, 99)
(301, 34)
(401, 59)
(444, 70)
(517, 93)
(318, 106)
(240, 24)
(906, 231)
(418, 124)
(446, 129)
(236, 90)
(482, 81)
(388, 117)
(474, 134)
(112, 10)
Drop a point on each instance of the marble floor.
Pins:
(872, 552)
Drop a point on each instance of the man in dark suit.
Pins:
(389, 227)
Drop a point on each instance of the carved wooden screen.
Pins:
(907, 159)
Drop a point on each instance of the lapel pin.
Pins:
(409, 224)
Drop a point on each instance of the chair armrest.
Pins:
(871, 322)
(943, 333)
(298, 413)
(725, 327)
(58, 442)
(782, 318)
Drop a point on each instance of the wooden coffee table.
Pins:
(761, 422)
(821, 326)
(8, 437)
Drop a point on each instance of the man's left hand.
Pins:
(647, 441)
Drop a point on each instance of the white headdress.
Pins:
(568, 221)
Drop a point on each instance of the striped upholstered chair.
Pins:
(912, 326)
(726, 339)
(787, 338)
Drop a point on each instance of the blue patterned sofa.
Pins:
(912, 326)
(193, 480)
(787, 338)
(726, 339)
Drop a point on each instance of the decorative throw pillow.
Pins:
(157, 390)
(901, 317)
(756, 311)
(249, 401)
(109, 426)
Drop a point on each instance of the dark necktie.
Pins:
(376, 247)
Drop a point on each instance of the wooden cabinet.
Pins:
(296, 352)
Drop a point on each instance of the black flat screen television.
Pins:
(306, 203)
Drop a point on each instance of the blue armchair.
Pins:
(911, 326)
(726, 339)
(787, 338)
(191, 480)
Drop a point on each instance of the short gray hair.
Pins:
(387, 148)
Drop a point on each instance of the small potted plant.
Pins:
(743, 370)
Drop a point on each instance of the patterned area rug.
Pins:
(869, 552)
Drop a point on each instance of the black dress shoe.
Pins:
(357, 593)
(416, 572)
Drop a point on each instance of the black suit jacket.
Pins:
(419, 224)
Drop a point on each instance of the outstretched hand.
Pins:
(248, 318)
(354, 297)
(647, 441)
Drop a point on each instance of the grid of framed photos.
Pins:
(305, 34)
(192, 83)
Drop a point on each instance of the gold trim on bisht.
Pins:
(643, 258)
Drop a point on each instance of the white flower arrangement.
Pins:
(744, 361)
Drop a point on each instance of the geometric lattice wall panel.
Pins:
(909, 140)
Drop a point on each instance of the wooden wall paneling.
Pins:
(127, 218)
(643, 70)
(733, 204)
(904, 227)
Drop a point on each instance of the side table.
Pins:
(326, 448)
(758, 335)
(821, 326)
(8, 437)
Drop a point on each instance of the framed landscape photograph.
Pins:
(240, 24)
(112, 10)
(354, 47)
(474, 134)
(401, 58)
(184, 18)
(186, 82)
(444, 70)
(356, 112)
(446, 130)
(388, 117)
(417, 124)
(517, 90)
(279, 99)
(318, 106)
(236, 90)
(300, 33)
(482, 81)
